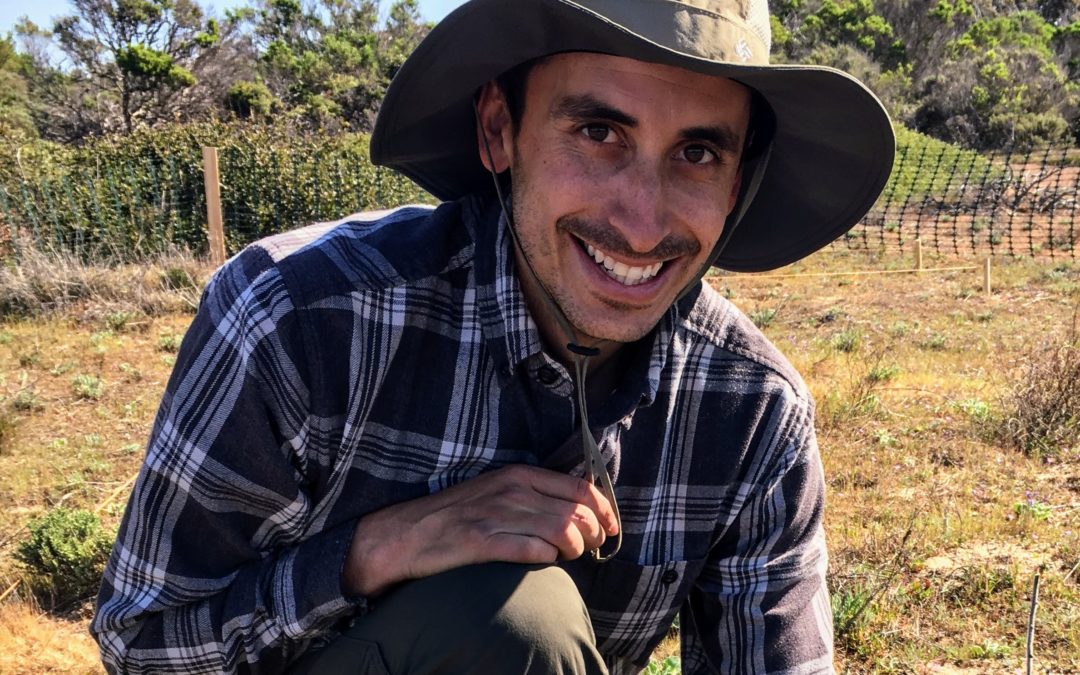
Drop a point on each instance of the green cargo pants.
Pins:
(483, 619)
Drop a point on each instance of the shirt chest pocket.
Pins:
(632, 606)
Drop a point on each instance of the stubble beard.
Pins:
(534, 250)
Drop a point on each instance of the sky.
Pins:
(42, 12)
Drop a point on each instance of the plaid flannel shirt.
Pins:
(343, 367)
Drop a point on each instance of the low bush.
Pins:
(65, 556)
(1043, 407)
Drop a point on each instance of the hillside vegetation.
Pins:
(981, 73)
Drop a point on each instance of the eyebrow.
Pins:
(587, 107)
(581, 107)
(720, 136)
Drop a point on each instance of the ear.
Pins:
(493, 124)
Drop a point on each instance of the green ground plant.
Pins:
(88, 387)
(764, 317)
(64, 556)
(847, 340)
(669, 666)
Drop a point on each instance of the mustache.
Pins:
(611, 241)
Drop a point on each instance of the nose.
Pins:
(639, 209)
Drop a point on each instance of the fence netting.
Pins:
(961, 203)
(956, 202)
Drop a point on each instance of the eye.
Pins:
(600, 133)
(698, 154)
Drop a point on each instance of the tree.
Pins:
(1004, 86)
(133, 62)
(985, 73)
(16, 122)
(848, 34)
(63, 105)
(329, 62)
(804, 27)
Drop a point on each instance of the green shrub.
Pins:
(134, 196)
(26, 400)
(87, 387)
(669, 666)
(249, 99)
(65, 556)
(934, 342)
(169, 343)
(926, 169)
(847, 340)
(176, 277)
(883, 373)
(852, 607)
(763, 318)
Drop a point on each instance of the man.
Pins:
(402, 443)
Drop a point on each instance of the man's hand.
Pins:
(514, 514)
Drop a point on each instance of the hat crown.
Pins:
(831, 151)
(730, 31)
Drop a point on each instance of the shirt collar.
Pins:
(509, 329)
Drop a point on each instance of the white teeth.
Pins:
(621, 272)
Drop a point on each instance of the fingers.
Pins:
(523, 549)
(567, 513)
(570, 528)
(567, 488)
(514, 514)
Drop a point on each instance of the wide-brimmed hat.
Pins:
(831, 152)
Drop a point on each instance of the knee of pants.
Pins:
(537, 603)
(483, 618)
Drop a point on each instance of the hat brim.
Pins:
(831, 155)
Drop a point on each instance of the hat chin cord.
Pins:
(594, 464)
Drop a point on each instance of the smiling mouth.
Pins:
(621, 272)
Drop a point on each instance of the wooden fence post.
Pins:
(986, 276)
(918, 254)
(214, 221)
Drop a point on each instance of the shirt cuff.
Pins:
(307, 584)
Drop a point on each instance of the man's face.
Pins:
(623, 175)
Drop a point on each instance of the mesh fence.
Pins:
(964, 204)
(957, 202)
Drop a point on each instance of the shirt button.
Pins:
(547, 375)
(669, 577)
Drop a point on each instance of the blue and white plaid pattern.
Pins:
(340, 368)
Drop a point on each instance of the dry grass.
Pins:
(936, 526)
(44, 283)
(35, 643)
(1043, 406)
(84, 356)
(936, 529)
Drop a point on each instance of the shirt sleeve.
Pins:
(762, 605)
(213, 570)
